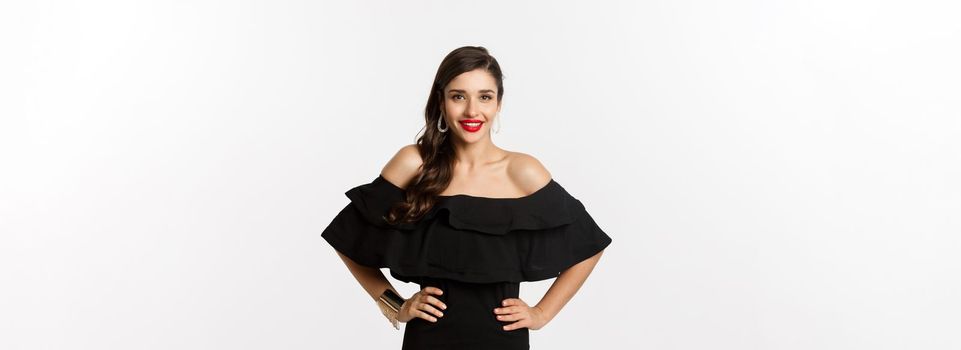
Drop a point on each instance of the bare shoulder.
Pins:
(403, 166)
(528, 172)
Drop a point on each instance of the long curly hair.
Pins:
(436, 148)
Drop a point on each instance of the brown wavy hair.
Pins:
(435, 147)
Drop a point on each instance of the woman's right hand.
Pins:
(423, 305)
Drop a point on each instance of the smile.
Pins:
(470, 125)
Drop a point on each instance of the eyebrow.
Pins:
(481, 91)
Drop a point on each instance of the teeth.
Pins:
(472, 124)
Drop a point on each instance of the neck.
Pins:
(470, 155)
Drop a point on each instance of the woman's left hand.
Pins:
(515, 309)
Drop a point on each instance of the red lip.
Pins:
(463, 125)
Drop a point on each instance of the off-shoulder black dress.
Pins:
(476, 249)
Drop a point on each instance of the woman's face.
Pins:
(470, 105)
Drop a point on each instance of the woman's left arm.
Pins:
(560, 292)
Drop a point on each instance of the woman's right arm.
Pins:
(401, 168)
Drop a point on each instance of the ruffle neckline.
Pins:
(548, 207)
(468, 238)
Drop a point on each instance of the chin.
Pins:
(473, 137)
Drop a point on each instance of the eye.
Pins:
(456, 96)
(488, 97)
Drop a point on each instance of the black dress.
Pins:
(477, 250)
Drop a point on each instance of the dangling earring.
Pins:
(438, 124)
(498, 122)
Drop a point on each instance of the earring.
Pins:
(438, 124)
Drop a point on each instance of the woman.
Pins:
(467, 221)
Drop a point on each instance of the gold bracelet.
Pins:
(390, 303)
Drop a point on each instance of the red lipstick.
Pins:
(470, 125)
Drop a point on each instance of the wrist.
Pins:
(390, 303)
(548, 314)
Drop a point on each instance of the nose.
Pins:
(471, 109)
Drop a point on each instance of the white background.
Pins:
(775, 175)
